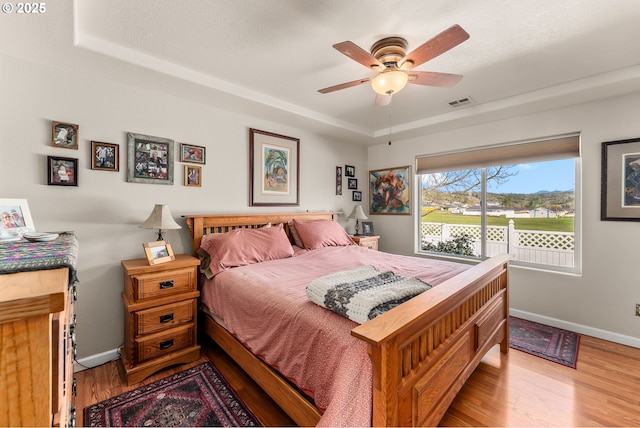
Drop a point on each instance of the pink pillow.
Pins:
(322, 233)
(294, 234)
(242, 247)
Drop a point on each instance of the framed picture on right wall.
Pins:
(620, 191)
(390, 190)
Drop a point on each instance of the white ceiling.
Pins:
(522, 55)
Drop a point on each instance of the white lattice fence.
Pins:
(532, 246)
(536, 238)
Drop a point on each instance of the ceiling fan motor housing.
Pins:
(389, 50)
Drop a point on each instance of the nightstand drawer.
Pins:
(164, 317)
(154, 285)
(166, 342)
(370, 242)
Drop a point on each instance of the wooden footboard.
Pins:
(422, 351)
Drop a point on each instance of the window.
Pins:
(518, 199)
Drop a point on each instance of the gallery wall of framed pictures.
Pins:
(149, 159)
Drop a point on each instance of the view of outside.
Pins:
(529, 212)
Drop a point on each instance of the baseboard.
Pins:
(578, 328)
(95, 360)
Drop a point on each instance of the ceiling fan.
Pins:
(395, 67)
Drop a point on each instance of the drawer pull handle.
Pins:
(166, 344)
(166, 318)
(166, 284)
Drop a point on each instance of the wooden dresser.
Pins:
(37, 347)
(160, 315)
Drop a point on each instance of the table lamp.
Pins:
(358, 214)
(160, 219)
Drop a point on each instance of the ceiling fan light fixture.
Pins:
(389, 82)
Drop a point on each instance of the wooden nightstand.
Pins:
(160, 319)
(371, 242)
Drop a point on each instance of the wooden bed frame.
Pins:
(422, 351)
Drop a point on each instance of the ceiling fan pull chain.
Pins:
(390, 107)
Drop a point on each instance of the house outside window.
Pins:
(519, 199)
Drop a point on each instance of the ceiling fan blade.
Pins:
(344, 86)
(358, 54)
(383, 100)
(448, 39)
(429, 78)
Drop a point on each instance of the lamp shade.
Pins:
(389, 82)
(160, 219)
(358, 213)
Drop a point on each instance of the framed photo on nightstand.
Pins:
(158, 252)
(367, 228)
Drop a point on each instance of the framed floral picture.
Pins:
(390, 191)
(62, 171)
(274, 168)
(105, 156)
(149, 159)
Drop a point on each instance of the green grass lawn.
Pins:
(560, 224)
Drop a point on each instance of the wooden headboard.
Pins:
(204, 224)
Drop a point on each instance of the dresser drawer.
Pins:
(154, 285)
(164, 317)
(165, 342)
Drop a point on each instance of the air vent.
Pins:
(462, 102)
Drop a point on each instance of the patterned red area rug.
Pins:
(196, 397)
(551, 343)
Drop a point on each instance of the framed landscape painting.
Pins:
(274, 168)
(390, 191)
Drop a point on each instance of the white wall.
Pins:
(601, 301)
(105, 210)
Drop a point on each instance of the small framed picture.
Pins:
(349, 171)
(105, 156)
(16, 219)
(62, 171)
(338, 180)
(367, 228)
(64, 135)
(158, 252)
(353, 183)
(191, 153)
(192, 175)
(357, 196)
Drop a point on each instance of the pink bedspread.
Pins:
(265, 306)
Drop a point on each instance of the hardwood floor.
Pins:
(505, 390)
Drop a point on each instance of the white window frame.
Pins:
(482, 158)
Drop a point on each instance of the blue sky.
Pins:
(534, 177)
